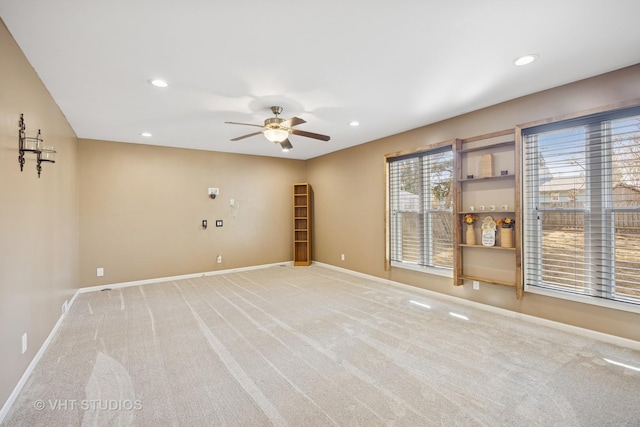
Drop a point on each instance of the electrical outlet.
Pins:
(476, 285)
(342, 257)
(24, 343)
(232, 202)
(100, 272)
(213, 192)
(219, 259)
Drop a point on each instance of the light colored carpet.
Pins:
(312, 346)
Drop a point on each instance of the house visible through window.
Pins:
(420, 203)
(582, 207)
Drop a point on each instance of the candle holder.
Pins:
(33, 145)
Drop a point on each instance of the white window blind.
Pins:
(582, 206)
(421, 217)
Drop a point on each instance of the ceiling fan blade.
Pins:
(293, 121)
(244, 124)
(310, 134)
(286, 145)
(246, 136)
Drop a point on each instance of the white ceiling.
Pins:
(392, 66)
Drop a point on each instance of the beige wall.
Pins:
(349, 198)
(38, 217)
(142, 208)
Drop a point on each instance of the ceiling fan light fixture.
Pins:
(277, 130)
(276, 135)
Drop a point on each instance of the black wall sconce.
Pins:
(33, 145)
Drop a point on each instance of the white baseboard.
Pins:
(172, 278)
(18, 388)
(587, 333)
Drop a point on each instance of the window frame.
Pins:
(606, 209)
(388, 160)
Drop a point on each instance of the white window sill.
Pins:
(616, 305)
(444, 272)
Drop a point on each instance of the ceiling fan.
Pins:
(277, 130)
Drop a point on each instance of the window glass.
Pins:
(582, 206)
(421, 219)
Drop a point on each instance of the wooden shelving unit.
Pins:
(302, 200)
(495, 265)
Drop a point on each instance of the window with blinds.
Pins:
(582, 206)
(420, 202)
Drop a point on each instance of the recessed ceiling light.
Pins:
(354, 123)
(159, 83)
(526, 59)
(146, 134)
